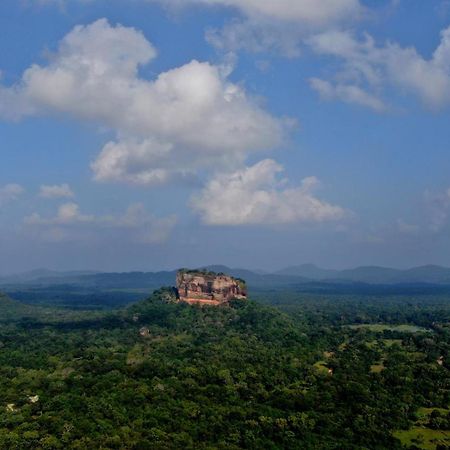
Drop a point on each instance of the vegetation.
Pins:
(163, 375)
(205, 272)
(210, 273)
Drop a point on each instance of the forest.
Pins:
(283, 370)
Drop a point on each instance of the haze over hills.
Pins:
(294, 275)
(363, 274)
(40, 274)
(308, 271)
(372, 274)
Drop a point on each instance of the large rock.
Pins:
(208, 288)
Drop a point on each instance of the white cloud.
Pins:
(368, 68)
(260, 25)
(309, 11)
(68, 214)
(278, 25)
(10, 192)
(135, 224)
(258, 36)
(13, 104)
(186, 119)
(255, 196)
(347, 93)
(299, 11)
(56, 191)
(133, 161)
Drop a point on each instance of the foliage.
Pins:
(246, 375)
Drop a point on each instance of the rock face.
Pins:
(208, 288)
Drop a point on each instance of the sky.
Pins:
(157, 134)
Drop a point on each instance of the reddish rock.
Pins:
(144, 332)
(208, 288)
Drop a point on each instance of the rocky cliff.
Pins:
(209, 288)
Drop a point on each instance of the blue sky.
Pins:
(152, 134)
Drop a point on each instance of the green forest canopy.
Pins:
(241, 376)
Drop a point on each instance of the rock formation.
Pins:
(208, 288)
(144, 332)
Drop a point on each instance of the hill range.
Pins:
(306, 274)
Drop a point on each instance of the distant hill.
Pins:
(123, 280)
(308, 271)
(285, 278)
(368, 274)
(254, 279)
(372, 274)
(239, 273)
(426, 274)
(12, 309)
(39, 274)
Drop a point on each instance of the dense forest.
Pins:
(287, 371)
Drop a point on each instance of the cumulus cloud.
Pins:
(368, 68)
(186, 119)
(70, 223)
(255, 195)
(56, 191)
(10, 192)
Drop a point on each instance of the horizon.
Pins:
(207, 266)
(267, 134)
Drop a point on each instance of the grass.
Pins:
(321, 367)
(421, 436)
(387, 342)
(372, 344)
(380, 327)
(377, 368)
(423, 414)
(424, 438)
